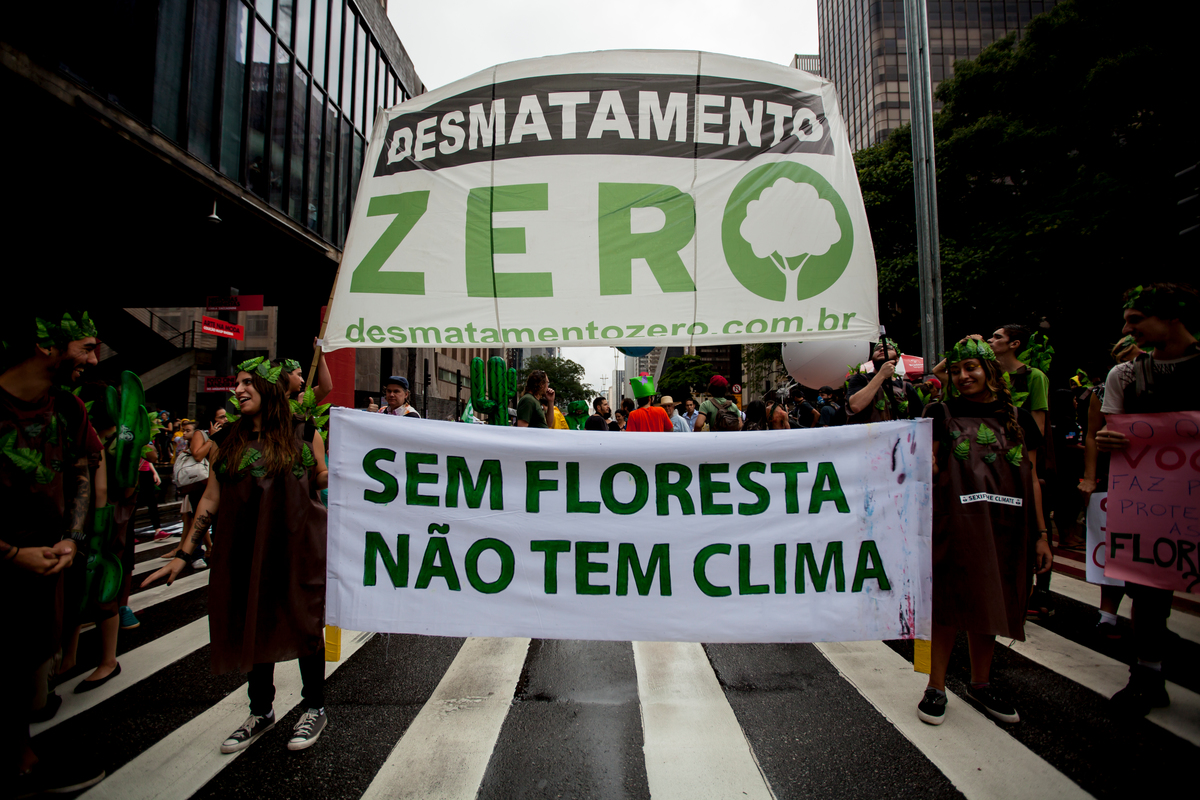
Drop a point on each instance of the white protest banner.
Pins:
(785, 536)
(1097, 515)
(626, 198)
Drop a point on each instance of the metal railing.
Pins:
(192, 339)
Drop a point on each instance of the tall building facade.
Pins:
(865, 53)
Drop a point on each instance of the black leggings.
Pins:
(261, 686)
(1151, 608)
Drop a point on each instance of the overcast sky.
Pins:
(452, 41)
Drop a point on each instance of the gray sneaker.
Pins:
(254, 727)
(308, 729)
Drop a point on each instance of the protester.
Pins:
(756, 416)
(577, 414)
(690, 413)
(647, 418)
(295, 373)
(678, 423)
(1095, 475)
(802, 411)
(554, 417)
(396, 393)
(1160, 318)
(267, 590)
(718, 412)
(987, 509)
(191, 477)
(618, 423)
(881, 396)
(148, 483)
(826, 406)
(529, 407)
(45, 496)
(599, 420)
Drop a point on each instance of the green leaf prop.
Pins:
(273, 374)
(985, 435)
(249, 457)
(1039, 353)
(259, 472)
(296, 407)
(955, 434)
(321, 422)
(880, 404)
(1019, 398)
(306, 455)
(989, 458)
(27, 460)
(1014, 455)
(308, 398)
(962, 450)
(298, 470)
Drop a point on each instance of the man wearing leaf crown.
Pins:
(47, 447)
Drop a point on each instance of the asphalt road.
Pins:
(428, 717)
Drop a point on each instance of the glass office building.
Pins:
(864, 52)
(277, 95)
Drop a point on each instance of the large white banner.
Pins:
(782, 536)
(610, 198)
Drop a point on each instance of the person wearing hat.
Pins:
(647, 418)
(678, 423)
(577, 414)
(395, 392)
(712, 410)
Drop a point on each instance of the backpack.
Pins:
(727, 417)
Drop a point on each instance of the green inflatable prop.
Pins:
(493, 387)
(133, 430)
(104, 572)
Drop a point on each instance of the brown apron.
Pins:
(266, 597)
(982, 547)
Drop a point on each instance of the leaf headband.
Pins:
(63, 333)
(290, 365)
(261, 367)
(971, 348)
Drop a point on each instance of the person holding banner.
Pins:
(882, 396)
(987, 504)
(529, 407)
(1160, 317)
(267, 591)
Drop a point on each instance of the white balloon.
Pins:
(817, 364)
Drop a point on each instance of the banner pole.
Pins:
(312, 370)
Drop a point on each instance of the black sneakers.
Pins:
(932, 708)
(994, 703)
(254, 727)
(1146, 690)
(308, 729)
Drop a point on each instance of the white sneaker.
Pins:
(199, 563)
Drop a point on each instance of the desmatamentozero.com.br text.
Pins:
(363, 332)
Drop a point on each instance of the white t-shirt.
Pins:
(1122, 375)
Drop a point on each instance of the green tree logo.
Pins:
(785, 227)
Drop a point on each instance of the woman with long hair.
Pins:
(267, 590)
(986, 524)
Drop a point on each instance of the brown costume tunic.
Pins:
(982, 549)
(266, 598)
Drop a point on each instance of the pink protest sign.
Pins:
(1154, 501)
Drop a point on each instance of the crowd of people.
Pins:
(251, 484)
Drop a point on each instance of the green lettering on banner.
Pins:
(376, 548)
(507, 566)
(619, 246)
(438, 563)
(412, 486)
(781, 569)
(791, 491)
(484, 241)
(709, 487)
(368, 275)
(641, 491)
(827, 487)
(574, 504)
(627, 560)
(744, 584)
(584, 567)
(535, 484)
(551, 547)
(868, 552)
(664, 489)
(698, 570)
(391, 488)
(833, 560)
(744, 473)
(458, 472)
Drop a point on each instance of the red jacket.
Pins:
(649, 418)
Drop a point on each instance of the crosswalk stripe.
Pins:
(136, 665)
(980, 758)
(1105, 676)
(1186, 626)
(162, 593)
(182, 762)
(445, 751)
(694, 745)
(144, 546)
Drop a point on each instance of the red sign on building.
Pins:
(237, 302)
(216, 383)
(219, 327)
